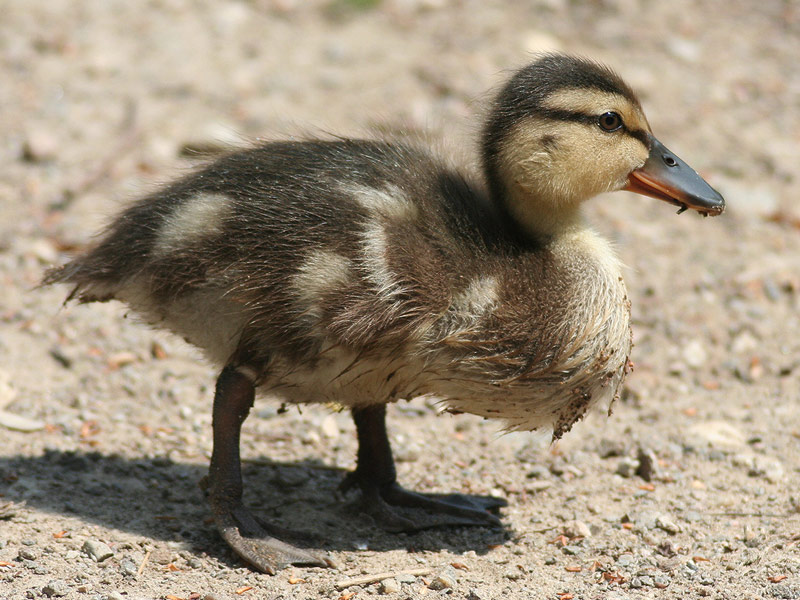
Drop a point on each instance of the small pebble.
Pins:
(55, 588)
(571, 550)
(408, 454)
(573, 529)
(627, 467)
(16, 422)
(661, 581)
(769, 468)
(625, 561)
(692, 516)
(127, 567)
(751, 537)
(267, 412)
(389, 586)
(27, 554)
(444, 580)
(98, 551)
(39, 146)
(406, 578)
(666, 549)
(744, 343)
(666, 524)
(43, 250)
(537, 485)
(717, 434)
(329, 427)
(647, 464)
(695, 354)
(117, 596)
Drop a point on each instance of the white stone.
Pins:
(717, 434)
(695, 354)
(98, 551)
(329, 427)
(389, 586)
(573, 529)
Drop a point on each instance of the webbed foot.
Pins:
(397, 509)
(255, 542)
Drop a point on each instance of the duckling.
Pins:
(359, 272)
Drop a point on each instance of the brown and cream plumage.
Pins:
(362, 272)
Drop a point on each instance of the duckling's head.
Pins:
(565, 129)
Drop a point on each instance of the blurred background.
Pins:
(102, 100)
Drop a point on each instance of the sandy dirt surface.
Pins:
(691, 489)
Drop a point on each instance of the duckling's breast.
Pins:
(542, 341)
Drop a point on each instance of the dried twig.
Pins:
(144, 562)
(367, 579)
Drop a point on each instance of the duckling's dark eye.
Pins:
(610, 121)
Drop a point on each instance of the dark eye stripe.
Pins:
(641, 135)
(579, 117)
(567, 115)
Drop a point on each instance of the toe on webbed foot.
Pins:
(253, 541)
(493, 504)
(396, 509)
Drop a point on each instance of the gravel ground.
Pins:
(691, 489)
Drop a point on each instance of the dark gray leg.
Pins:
(248, 537)
(376, 476)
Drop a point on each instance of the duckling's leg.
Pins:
(375, 474)
(248, 537)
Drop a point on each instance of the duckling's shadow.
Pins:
(160, 499)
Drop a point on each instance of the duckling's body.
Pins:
(363, 272)
(381, 274)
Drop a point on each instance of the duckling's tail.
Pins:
(85, 289)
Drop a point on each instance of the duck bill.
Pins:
(667, 177)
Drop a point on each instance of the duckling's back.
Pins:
(286, 236)
(361, 272)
